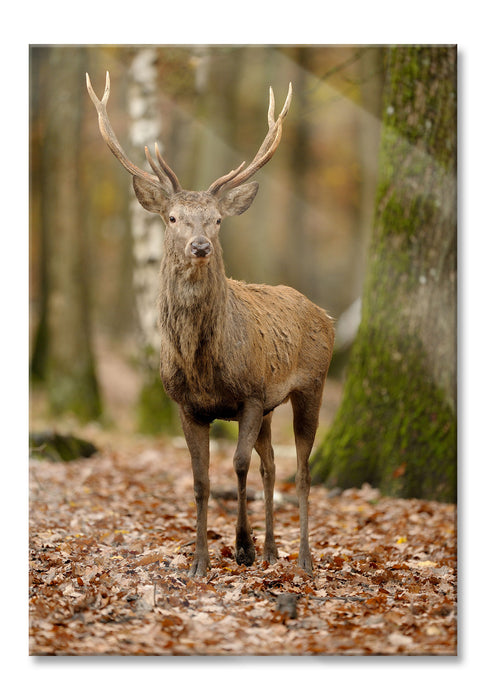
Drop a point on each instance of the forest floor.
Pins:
(111, 542)
(112, 537)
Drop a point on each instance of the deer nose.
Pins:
(201, 247)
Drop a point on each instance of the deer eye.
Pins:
(172, 219)
(218, 221)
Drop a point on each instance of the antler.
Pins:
(264, 153)
(165, 175)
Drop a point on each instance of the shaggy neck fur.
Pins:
(192, 314)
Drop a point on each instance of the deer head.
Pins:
(192, 218)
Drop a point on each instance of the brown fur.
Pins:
(228, 349)
(236, 351)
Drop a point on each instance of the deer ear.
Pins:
(150, 195)
(236, 201)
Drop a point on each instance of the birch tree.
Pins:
(155, 410)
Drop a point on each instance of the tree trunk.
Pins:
(155, 412)
(38, 280)
(371, 77)
(68, 363)
(396, 427)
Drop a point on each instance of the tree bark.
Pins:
(155, 411)
(396, 427)
(146, 229)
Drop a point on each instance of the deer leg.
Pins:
(306, 418)
(264, 449)
(197, 438)
(249, 427)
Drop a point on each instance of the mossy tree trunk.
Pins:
(396, 427)
(63, 356)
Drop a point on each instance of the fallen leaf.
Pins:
(113, 576)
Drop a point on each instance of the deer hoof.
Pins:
(199, 567)
(245, 556)
(305, 562)
(270, 554)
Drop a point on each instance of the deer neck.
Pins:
(193, 308)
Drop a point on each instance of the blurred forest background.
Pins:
(94, 252)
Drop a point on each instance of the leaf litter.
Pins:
(111, 542)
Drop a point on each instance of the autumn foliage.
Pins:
(112, 539)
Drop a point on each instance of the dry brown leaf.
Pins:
(111, 543)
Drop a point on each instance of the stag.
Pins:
(230, 350)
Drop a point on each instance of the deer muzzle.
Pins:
(199, 247)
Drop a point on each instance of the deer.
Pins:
(230, 350)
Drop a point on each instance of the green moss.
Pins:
(395, 429)
(421, 85)
(224, 430)
(155, 412)
(52, 446)
(74, 392)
